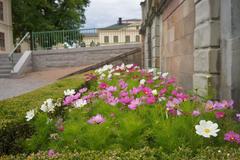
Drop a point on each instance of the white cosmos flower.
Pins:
(161, 99)
(142, 81)
(129, 66)
(69, 92)
(117, 74)
(30, 114)
(48, 106)
(164, 75)
(207, 129)
(80, 103)
(151, 70)
(109, 76)
(155, 78)
(154, 92)
(102, 76)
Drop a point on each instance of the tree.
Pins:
(41, 15)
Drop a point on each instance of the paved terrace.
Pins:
(31, 81)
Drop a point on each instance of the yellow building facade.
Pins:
(125, 31)
(6, 34)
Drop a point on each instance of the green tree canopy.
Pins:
(40, 15)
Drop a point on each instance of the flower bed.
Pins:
(130, 108)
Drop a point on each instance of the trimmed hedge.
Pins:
(13, 126)
(182, 153)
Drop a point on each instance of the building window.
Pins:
(1, 11)
(137, 38)
(137, 27)
(115, 39)
(2, 41)
(106, 39)
(127, 39)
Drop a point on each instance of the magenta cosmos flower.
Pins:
(219, 115)
(98, 119)
(134, 104)
(232, 137)
(102, 85)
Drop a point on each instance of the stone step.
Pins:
(5, 67)
(3, 71)
(5, 75)
(5, 63)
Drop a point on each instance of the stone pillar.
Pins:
(146, 48)
(207, 47)
(230, 45)
(155, 37)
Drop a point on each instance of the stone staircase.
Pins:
(6, 66)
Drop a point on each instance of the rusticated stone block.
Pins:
(206, 10)
(207, 35)
(207, 60)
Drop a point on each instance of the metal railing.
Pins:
(18, 45)
(85, 38)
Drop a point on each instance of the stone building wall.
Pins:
(197, 41)
(177, 41)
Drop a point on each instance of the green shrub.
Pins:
(146, 153)
(13, 126)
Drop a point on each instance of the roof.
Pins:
(115, 26)
(90, 34)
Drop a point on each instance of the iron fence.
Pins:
(85, 37)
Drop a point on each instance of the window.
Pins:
(115, 39)
(1, 11)
(137, 27)
(106, 39)
(2, 41)
(137, 38)
(127, 39)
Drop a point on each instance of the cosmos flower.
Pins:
(207, 129)
(231, 136)
(69, 92)
(29, 115)
(80, 103)
(98, 119)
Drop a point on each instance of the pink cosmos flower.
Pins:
(162, 91)
(171, 80)
(111, 89)
(70, 99)
(125, 100)
(98, 119)
(209, 106)
(147, 91)
(122, 84)
(149, 81)
(232, 137)
(83, 90)
(133, 105)
(102, 85)
(112, 100)
(151, 100)
(196, 113)
(135, 90)
(238, 116)
(219, 115)
(123, 94)
(51, 153)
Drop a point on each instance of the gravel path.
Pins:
(31, 81)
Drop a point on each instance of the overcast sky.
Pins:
(102, 13)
